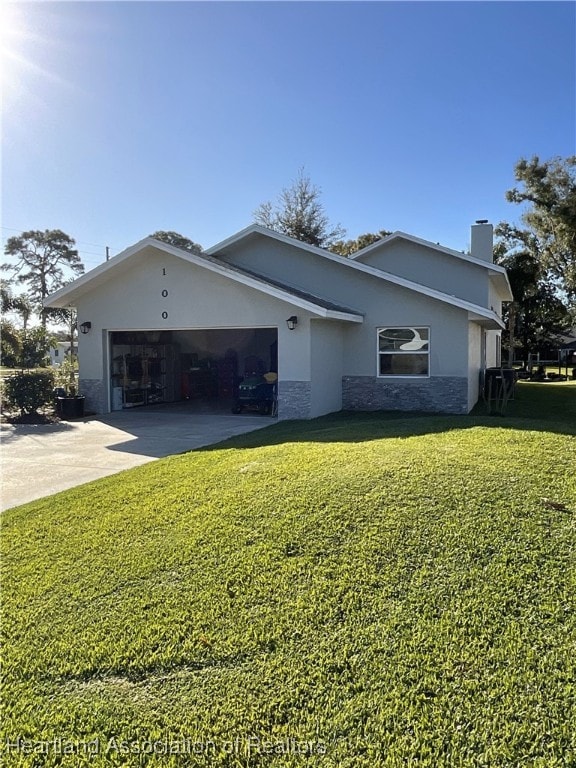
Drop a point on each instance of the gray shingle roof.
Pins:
(296, 292)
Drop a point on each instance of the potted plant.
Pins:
(69, 404)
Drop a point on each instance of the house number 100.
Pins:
(164, 295)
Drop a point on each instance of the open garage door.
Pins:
(204, 368)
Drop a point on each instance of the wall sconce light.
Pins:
(85, 327)
(292, 322)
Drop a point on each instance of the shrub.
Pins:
(29, 391)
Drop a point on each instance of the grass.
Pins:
(358, 591)
(5, 371)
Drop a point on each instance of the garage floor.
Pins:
(39, 460)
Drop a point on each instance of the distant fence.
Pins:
(538, 368)
(564, 358)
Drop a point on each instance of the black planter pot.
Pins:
(70, 407)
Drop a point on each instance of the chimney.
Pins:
(482, 240)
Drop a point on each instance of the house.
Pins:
(567, 350)
(568, 341)
(405, 324)
(59, 352)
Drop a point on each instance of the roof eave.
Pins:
(503, 283)
(489, 321)
(347, 261)
(332, 314)
(257, 229)
(398, 235)
(66, 296)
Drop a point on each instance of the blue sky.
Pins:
(123, 118)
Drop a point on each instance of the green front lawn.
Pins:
(358, 591)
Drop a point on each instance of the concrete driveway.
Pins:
(39, 460)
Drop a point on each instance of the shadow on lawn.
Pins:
(536, 407)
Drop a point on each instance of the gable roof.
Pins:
(494, 270)
(476, 312)
(322, 307)
(67, 295)
(258, 229)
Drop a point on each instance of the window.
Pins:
(403, 351)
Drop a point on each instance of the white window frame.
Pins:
(379, 353)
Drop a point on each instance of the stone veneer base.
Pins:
(93, 391)
(438, 394)
(294, 398)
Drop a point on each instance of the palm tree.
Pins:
(11, 342)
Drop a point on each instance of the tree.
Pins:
(10, 345)
(11, 342)
(538, 315)
(68, 317)
(35, 348)
(16, 304)
(299, 213)
(25, 348)
(549, 188)
(42, 260)
(348, 247)
(177, 240)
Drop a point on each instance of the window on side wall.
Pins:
(404, 351)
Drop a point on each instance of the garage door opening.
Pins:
(208, 370)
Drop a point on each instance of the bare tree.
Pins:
(299, 213)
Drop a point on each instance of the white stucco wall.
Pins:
(448, 336)
(493, 349)
(294, 350)
(475, 362)
(495, 300)
(382, 304)
(435, 269)
(196, 298)
(326, 358)
(156, 291)
(188, 294)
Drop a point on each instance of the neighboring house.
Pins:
(567, 350)
(402, 325)
(568, 340)
(59, 352)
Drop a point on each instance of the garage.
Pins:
(213, 369)
(163, 327)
